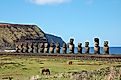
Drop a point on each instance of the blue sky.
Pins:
(79, 19)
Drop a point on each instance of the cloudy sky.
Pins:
(79, 19)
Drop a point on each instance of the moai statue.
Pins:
(57, 47)
(64, 48)
(40, 47)
(106, 47)
(18, 48)
(34, 48)
(80, 48)
(29, 47)
(46, 48)
(24, 47)
(52, 47)
(71, 46)
(96, 46)
(87, 48)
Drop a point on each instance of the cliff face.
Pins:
(54, 39)
(11, 33)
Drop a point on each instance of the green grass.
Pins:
(24, 67)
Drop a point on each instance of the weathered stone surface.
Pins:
(96, 46)
(29, 47)
(46, 48)
(64, 48)
(87, 48)
(52, 47)
(34, 49)
(106, 47)
(57, 47)
(18, 48)
(71, 46)
(40, 47)
(79, 47)
(24, 47)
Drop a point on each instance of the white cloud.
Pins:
(44, 2)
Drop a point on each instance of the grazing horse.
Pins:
(70, 62)
(46, 71)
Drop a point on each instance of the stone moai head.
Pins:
(64, 45)
(34, 44)
(64, 48)
(96, 46)
(46, 48)
(86, 44)
(41, 45)
(17, 48)
(106, 47)
(46, 45)
(96, 42)
(58, 45)
(87, 47)
(79, 47)
(34, 47)
(79, 44)
(24, 45)
(71, 41)
(29, 44)
(29, 47)
(51, 44)
(71, 46)
(105, 43)
(24, 48)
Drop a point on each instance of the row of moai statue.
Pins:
(97, 47)
(32, 48)
(87, 48)
(51, 48)
(38, 48)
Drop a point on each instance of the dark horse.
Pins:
(46, 71)
(70, 62)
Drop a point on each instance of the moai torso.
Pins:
(52, 47)
(96, 46)
(64, 48)
(79, 47)
(57, 47)
(34, 48)
(18, 48)
(46, 48)
(71, 46)
(40, 47)
(24, 47)
(87, 48)
(106, 47)
(29, 47)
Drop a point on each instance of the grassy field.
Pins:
(22, 68)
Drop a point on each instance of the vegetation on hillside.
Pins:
(10, 34)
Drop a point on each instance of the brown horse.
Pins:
(45, 71)
(70, 62)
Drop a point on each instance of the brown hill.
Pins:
(11, 33)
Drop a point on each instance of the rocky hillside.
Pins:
(54, 39)
(10, 33)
